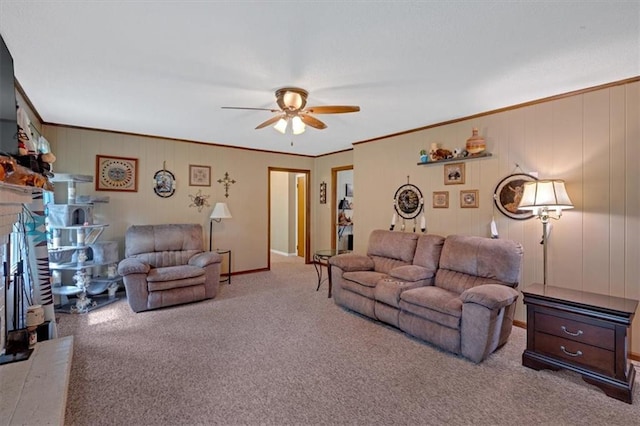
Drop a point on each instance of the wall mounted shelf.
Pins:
(454, 160)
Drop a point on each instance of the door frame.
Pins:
(334, 206)
(307, 210)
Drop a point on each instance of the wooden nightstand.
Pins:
(583, 332)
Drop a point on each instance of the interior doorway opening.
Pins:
(289, 213)
(342, 207)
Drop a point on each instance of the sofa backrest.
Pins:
(390, 249)
(428, 251)
(468, 261)
(163, 245)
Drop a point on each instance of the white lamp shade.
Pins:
(281, 126)
(297, 125)
(220, 211)
(545, 193)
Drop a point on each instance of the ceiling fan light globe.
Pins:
(281, 126)
(297, 126)
(292, 100)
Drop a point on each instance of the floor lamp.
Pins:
(220, 211)
(546, 199)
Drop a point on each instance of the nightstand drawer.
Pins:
(575, 330)
(596, 359)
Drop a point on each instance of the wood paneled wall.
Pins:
(591, 140)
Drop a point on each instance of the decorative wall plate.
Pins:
(408, 201)
(508, 194)
(116, 174)
(165, 183)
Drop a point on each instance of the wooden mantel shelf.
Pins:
(454, 160)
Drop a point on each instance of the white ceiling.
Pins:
(164, 68)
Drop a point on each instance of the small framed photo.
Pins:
(348, 191)
(454, 174)
(441, 199)
(469, 198)
(199, 175)
(116, 173)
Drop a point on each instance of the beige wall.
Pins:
(589, 140)
(245, 234)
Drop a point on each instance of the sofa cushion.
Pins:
(411, 273)
(352, 262)
(357, 288)
(428, 250)
(154, 286)
(393, 245)
(458, 282)
(386, 264)
(163, 245)
(388, 290)
(483, 257)
(434, 304)
(166, 258)
(171, 273)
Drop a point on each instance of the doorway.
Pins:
(342, 208)
(289, 213)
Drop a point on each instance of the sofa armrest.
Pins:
(411, 273)
(132, 266)
(350, 262)
(205, 258)
(491, 296)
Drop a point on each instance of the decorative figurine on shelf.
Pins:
(343, 220)
(432, 152)
(475, 144)
(459, 153)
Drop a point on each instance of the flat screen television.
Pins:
(8, 113)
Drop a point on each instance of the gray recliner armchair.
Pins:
(166, 265)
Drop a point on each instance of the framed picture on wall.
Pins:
(323, 193)
(454, 174)
(441, 199)
(348, 191)
(469, 198)
(116, 173)
(199, 175)
(508, 194)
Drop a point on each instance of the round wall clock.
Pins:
(116, 174)
(508, 194)
(165, 183)
(408, 201)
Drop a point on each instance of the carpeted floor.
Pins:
(270, 350)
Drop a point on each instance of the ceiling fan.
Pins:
(292, 102)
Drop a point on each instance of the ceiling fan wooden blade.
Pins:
(253, 109)
(312, 121)
(332, 109)
(268, 122)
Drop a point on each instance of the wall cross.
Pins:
(227, 182)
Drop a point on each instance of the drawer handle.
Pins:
(579, 353)
(570, 333)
